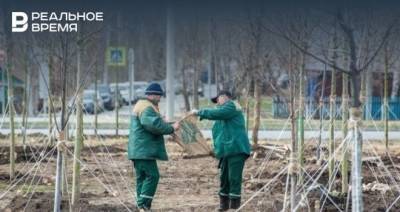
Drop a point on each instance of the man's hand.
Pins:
(194, 112)
(176, 126)
(164, 118)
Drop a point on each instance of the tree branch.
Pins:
(382, 43)
(304, 51)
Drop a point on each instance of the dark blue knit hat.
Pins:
(223, 92)
(154, 89)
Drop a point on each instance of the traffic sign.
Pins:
(116, 56)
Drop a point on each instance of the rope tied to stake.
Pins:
(293, 167)
(355, 118)
(61, 142)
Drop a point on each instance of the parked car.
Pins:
(121, 87)
(114, 85)
(106, 96)
(179, 89)
(138, 90)
(90, 100)
(125, 95)
(124, 92)
(119, 99)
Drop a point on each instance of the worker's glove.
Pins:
(194, 112)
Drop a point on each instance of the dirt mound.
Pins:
(43, 202)
(192, 185)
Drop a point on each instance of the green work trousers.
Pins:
(231, 169)
(147, 177)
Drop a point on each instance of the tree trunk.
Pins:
(321, 116)
(49, 111)
(366, 93)
(196, 85)
(12, 127)
(107, 31)
(386, 99)
(345, 117)
(248, 85)
(185, 93)
(79, 135)
(25, 102)
(257, 111)
(293, 158)
(355, 122)
(300, 127)
(62, 135)
(292, 171)
(332, 112)
(96, 123)
(365, 79)
(116, 93)
(216, 72)
(356, 181)
(9, 66)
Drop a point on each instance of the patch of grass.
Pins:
(38, 188)
(3, 185)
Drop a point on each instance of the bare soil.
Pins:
(108, 182)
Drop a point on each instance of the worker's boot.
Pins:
(223, 203)
(234, 203)
(145, 208)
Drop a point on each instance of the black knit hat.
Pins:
(226, 93)
(154, 89)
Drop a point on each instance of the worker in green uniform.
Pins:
(146, 144)
(231, 146)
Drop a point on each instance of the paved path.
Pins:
(264, 134)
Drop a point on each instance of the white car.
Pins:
(138, 90)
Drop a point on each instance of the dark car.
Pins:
(90, 102)
(119, 98)
(106, 96)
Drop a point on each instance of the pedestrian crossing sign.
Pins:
(116, 56)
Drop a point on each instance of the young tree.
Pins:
(350, 24)
(8, 68)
